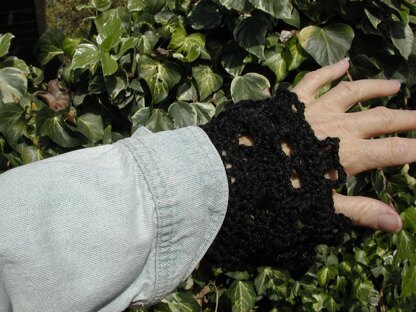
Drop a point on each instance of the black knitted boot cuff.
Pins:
(280, 205)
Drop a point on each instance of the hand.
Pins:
(358, 152)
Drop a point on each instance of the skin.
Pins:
(358, 151)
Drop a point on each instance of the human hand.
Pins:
(358, 152)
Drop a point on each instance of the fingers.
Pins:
(378, 121)
(358, 155)
(368, 212)
(313, 81)
(348, 93)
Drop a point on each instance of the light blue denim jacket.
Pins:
(104, 227)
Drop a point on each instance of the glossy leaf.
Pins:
(183, 114)
(238, 5)
(402, 37)
(13, 84)
(160, 77)
(242, 296)
(86, 56)
(327, 45)
(49, 45)
(91, 126)
(207, 81)
(5, 41)
(205, 15)
(280, 9)
(251, 86)
(187, 47)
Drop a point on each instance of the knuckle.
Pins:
(313, 75)
(385, 115)
(347, 87)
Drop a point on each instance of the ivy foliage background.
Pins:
(166, 64)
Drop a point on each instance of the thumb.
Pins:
(368, 212)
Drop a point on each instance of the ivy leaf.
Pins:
(125, 45)
(251, 86)
(182, 301)
(51, 124)
(69, 45)
(297, 53)
(204, 112)
(326, 274)
(108, 64)
(264, 280)
(160, 77)
(5, 41)
(136, 5)
(250, 34)
(99, 5)
(363, 67)
(187, 48)
(109, 27)
(402, 36)
(237, 5)
(409, 219)
(207, 81)
(49, 45)
(406, 245)
(13, 122)
(91, 126)
(242, 296)
(408, 281)
(327, 45)
(86, 56)
(277, 60)
(205, 15)
(282, 9)
(30, 153)
(13, 84)
(153, 119)
(147, 42)
(232, 59)
(183, 114)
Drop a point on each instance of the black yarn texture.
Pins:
(269, 221)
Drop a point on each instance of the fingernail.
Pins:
(345, 60)
(389, 222)
(396, 83)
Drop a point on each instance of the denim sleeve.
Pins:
(101, 228)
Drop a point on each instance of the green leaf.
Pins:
(86, 57)
(327, 45)
(251, 86)
(69, 45)
(99, 5)
(136, 5)
(237, 5)
(49, 45)
(109, 27)
(207, 81)
(183, 114)
(297, 54)
(402, 37)
(160, 77)
(108, 64)
(204, 112)
(264, 280)
(409, 219)
(13, 122)
(182, 301)
(375, 21)
(282, 9)
(205, 15)
(147, 42)
(187, 48)
(406, 245)
(51, 124)
(277, 60)
(91, 126)
(232, 59)
(409, 281)
(242, 296)
(13, 84)
(326, 274)
(5, 41)
(363, 67)
(251, 33)
(30, 153)
(13, 61)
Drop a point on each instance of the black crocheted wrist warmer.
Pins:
(270, 220)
